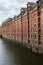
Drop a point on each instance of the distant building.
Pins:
(0, 30)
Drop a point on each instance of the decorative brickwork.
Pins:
(27, 27)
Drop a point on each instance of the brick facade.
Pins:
(0, 30)
(27, 27)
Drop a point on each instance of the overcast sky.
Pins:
(9, 8)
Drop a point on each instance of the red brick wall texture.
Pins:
(27, 27)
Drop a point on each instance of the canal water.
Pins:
(13, 54)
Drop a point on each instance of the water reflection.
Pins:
(11, 54)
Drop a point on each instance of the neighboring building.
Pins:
(27, 27)
(7, 28)
(0, 30)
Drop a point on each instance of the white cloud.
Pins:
(8, 8)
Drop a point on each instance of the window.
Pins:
(38, 30)
(39, 19)
(38, 8)
(39, 37)
(34, 25)
(35, 36)
(39, 42)
(28, 41)
(38, 25)
(38, 13)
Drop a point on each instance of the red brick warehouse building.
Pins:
(0, 31)
(27, 27)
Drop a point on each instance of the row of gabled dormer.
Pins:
(31, 6)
